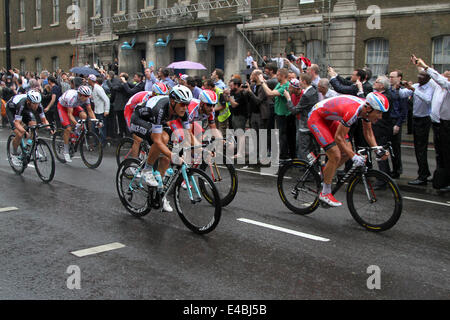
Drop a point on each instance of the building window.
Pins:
(37, 63)
(55, 11)
(22, 65)
(377, 56)
(441, 54)
(38, 14)
(316, 51)
(149, 4)
(121, 6)
(97, 8)
(22, 15)
(55, 63)
(264, 49)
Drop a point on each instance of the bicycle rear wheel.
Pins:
(58, 145)
(91, 150)
(44, 161)
(17, 165)
(299, 187)
(225, 179)
(123, 149)
(132, 193)
(199, 215)
(375, 210)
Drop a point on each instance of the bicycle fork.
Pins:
(186, 180)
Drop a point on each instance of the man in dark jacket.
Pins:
(310, 97)
(383, 128)
(119, 98)
(138, 87)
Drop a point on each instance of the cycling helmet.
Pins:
(181, 94)
(378, 101)
(160, 88)
(85, 90)
(208, 96)
(34, 96)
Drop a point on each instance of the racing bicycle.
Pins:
(34, 150)
(198, 205)
(376, 209)
(91, 150)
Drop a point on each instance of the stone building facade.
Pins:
(340, 33)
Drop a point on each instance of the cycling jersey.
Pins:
(325, 117)
(153, 116)
(18, 110)
(194, 117)
(136, 99)
(70, 100)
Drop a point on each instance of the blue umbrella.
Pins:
(84, 71)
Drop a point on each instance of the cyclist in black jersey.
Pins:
(22, 109)
(148, 122)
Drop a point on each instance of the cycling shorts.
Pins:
(323, 130)
(64, 117)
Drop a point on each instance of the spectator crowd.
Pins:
(277, 93)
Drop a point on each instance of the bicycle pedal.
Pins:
(194, 201)
(324, 205)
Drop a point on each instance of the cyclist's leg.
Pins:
(164, 162)
(19, 133)
(65, 124)
(134, 153)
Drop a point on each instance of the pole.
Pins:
(8, 36)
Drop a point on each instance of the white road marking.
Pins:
(99, 249)
(428, 201)
(297, 233)
(8, 209)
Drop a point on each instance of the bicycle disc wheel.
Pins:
(132, 193)
(58, 145)
(375, 210)
(17, 167)
(91, 150)
(199, 215)
(44, 162)
(299, 187)
(123, 149)
(225, 179)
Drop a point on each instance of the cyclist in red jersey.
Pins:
(330, 120)
(142, 97)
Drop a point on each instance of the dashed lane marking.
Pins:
(98, 249)
(428, 201)
(6, 209)
(296, 233)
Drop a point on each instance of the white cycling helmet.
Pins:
(181, 94)
(34, 96)
(85, 90)
(378, 101)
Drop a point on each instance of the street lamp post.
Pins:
(8, 36)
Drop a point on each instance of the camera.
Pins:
(244, 86)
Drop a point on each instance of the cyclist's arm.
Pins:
(368, 134)
(340, 139)
(90, 112)
(71, 117)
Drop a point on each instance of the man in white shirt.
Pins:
(249, 60)
(440, 115)
(423, 95)
(101, 104)
(313, 71)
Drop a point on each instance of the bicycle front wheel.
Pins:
(123, 149)
(198, 214)
(58, 145)
(91, 150)
(375, 210)
(299, 187)
(44, 162)
(131, 190)
(225, 178)
(15, 162)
